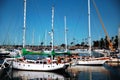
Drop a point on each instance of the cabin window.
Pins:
(28, 65)
(37, 61)
(40, 62)
(48, 66)
(19, 64)
(23, 65)
(44, 62)
(78, 58)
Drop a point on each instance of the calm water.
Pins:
(74, 73)
(106, 72)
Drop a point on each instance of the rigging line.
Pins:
(16, 27)
(8, 29)
(39, 17)
(79, 17)
(99, 33)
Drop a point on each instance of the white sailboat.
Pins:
(90, 60)
(38, 65)
(4, 52)
(66, 47)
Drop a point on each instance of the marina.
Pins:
(60, 53)
(72, 73)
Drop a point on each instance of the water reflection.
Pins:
(34, 75)
(95, 73)
(5, 74)
(105, 72)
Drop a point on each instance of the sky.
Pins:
(39, 20)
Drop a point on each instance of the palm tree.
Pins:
(41, 43)
(72, 43)
(116, 42)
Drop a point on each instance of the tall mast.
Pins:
(46, 38)
(65, 34)
(39, 40)
(33, 38)
(89, 28)
(52, 33)
(24, 23)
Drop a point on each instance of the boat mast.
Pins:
(46, 38)
(89, 29)
(24, 23)
(52, 33)
(65, 34)
(33, 38)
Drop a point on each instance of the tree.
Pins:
(116, 42)
(82, 43)
(77, 45)
(41, 43)
(71, 43)
(96, 43)
(63, 45)
(106, 43)
(102, 43)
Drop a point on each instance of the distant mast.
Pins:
(119, 38)
(46, 38)
(65, 34)
(24, 23)
(89, 29)
(52, 33)
(33, 38)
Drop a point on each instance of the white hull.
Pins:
(37, 75)
(114, 60)
(79, 51)
(91, 62)
(38, 67)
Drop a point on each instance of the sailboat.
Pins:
(91, 60)
(4, 52)
(65, 51)
(47, 64)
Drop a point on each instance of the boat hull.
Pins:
(91, 63)
(38, 67)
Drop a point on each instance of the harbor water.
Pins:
(77, 72)
(106, 72)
